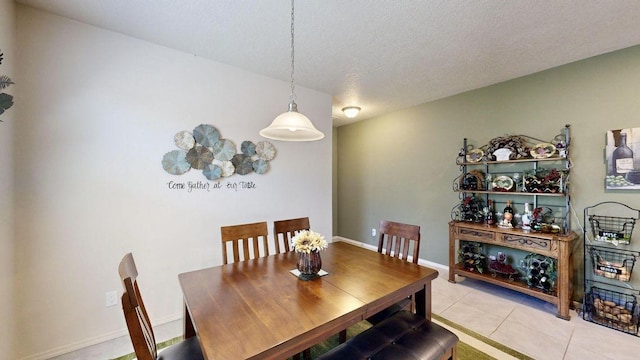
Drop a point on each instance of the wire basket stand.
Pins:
(610, 299)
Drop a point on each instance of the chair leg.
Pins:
(342, 336)
(306, 355)
(450, 354)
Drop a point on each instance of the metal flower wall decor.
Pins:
(204, 149)
(6, 100)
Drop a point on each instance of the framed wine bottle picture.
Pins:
(623, 165)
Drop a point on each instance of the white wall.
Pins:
(7, 26)
(101, 110)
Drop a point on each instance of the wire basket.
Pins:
(612, 309)
(611, 263)
(611, 229)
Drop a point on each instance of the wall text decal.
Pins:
(191, 186)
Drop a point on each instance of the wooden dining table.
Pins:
(257, 309)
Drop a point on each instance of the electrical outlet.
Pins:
(111, 298)
(373, 232)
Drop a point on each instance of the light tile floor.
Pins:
(518, 321)
(527, 324)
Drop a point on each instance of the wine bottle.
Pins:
(489, 219)
(622, 157)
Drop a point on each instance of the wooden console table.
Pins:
(555, 246)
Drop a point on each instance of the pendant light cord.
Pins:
(292, 125)
(292, 97)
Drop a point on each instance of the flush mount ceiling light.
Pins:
(292, 125)
(351, 111)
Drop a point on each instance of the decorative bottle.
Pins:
(622, 157)
(526, 217)
(507, 215)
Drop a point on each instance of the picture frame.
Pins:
(622, 148)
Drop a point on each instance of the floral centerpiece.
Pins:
(308, 244)
(307, 241)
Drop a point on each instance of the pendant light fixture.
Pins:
(292, 125)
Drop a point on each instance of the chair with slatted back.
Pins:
(284, 230)
(139, 325)
(399, 238)
(251, 236)
(395, 240)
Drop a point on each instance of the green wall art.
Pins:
(6, 100)
(205, 150)
(623, 164)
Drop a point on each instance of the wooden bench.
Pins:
(403, 336)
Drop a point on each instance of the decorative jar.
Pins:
(308, 245)
(309, 264)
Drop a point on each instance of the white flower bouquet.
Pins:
(307, 241)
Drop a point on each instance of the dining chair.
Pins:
(245, 237)
(396, 240)
(139, 325)
(284, 230)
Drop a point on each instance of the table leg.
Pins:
(452, 252)
(565, 272)
(423, 301)
(189, 330)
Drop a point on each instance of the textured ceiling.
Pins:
(381, 55)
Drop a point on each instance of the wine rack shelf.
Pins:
(511, 193)
(555, 246)
(542, 180)
(517, 285)
(505, 169)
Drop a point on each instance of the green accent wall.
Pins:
(401, 166)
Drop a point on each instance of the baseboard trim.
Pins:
(79, 345)
(76, 346)
(422, 262)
